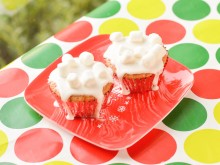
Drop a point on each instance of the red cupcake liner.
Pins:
(82, 109)
(139, 84)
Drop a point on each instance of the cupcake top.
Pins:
(136, 53)
(80, 76)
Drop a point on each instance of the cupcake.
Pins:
(137, 60)
(80, 85)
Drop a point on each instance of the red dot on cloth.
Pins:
(77, 31)
(155, 147)
(87, 153)
(206, 83)
(12, 82)
(169, 31)
(37, 145)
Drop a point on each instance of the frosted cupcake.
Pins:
(137, 60)
(80, 85)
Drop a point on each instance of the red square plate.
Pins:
(126, 118)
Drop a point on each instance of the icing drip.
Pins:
(155, 81)
(99, 105)
(81, 76)
(136, 54)
(55, 104)
(69, 115)
(124, 90)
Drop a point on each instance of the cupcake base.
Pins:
(81, 109)
(82, 106)
(134, 83)
(138, 84)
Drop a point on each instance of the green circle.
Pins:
(41, 56)
(218, 8)
(178, 163)
(218, 55)
(118, 164)
(6, 163)
(17, 114)
(108, 9)
(189, 54)
(191, 9)
(186, 116)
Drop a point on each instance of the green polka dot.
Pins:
(13, 4)
(17, 114)
(41, 56)
(189, 54)
(218, 8)
(178, 163)
(118, 164)
(188, 115)
(218, 55)
(108, 9)
(191, 10)
(6, 163)
(118, 25)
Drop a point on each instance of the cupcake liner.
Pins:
(138, 84)
(82, 109)
(142, 84)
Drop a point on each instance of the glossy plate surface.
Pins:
(126, 119)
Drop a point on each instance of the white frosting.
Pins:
(100, 70)
(81, 76)
(86, 58)
(136, 54)
(117, 37)
(136, 37)
(155, 39)
(73, 80)
(88, 79)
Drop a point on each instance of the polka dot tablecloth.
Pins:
(190, 134)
